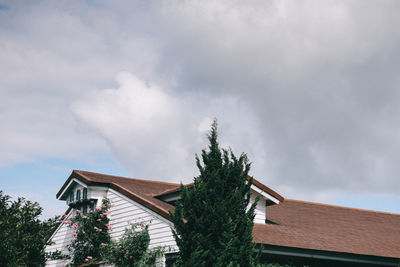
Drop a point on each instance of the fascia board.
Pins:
(264, 194)
(74, 180)
(155, 214)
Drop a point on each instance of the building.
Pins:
(287, 231)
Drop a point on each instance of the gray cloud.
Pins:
(320, 76)
(309, 89)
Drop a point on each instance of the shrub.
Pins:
(132, 248)
(91, 241)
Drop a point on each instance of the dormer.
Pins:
(79, 195)
(268, 197)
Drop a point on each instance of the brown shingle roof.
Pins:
(315, 226)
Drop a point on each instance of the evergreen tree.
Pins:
(213, 226)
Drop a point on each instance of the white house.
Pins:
(303, 232)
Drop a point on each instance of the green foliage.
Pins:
(275, 265)
(212, 226)
(22, 234)
(131, 249)
(91, 234)
(92, 242)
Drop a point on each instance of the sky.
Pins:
(308, 89)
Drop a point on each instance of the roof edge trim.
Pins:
(329, 255)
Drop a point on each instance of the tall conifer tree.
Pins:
(213, 225)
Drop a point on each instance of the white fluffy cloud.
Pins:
(156, 133)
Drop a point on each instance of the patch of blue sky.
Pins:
(54, 171)
(40, 180)
(4, 7)
(376, 202)
(93, 3)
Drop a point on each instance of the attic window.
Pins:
(84, 197)
(78, 195)
(71, 196)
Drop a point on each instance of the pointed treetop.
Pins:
(213, 136)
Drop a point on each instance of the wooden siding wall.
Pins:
(260, 208)
(61, 238)
(125, 211)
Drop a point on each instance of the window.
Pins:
(78, 195)
(84, 208)
(84, 197)
(71, 196)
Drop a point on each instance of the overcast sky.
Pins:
(310, 90)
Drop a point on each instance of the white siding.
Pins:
(60, 239)
(124, 210)
(260, 208)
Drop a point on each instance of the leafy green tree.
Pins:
(212, 222)
(22, 234)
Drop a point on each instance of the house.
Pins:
(287, 231)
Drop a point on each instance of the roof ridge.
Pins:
(341, 207)
(173, 190)
(122, 177)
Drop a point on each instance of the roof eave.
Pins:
(328, 254)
